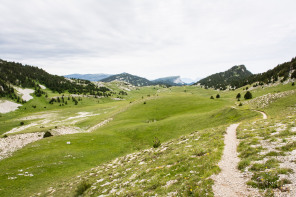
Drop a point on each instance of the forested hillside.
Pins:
(233, 77)
(239, 76)
(29, 77)
(280, 72)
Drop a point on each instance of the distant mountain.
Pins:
(172, 81)
(233, 77)
(132, 79)
(190, 81)
(90, 77)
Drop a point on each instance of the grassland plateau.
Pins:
(104, 145)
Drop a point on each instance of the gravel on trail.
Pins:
(230, 182)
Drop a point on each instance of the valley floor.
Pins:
(106, 149)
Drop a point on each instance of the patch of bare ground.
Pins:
(8, 106)
(13, 143)
(230, 182)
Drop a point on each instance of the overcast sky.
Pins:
(149, 38)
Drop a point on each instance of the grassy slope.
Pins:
(263, 142)
(176, 111)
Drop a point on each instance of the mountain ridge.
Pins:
(90, 77)
(129, 78)
(171, 80)
(232, 77)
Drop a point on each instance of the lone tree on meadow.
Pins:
(238, 96)
(218, 96)
(248, 95)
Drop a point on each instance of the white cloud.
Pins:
(150, 38)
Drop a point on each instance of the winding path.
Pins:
(263, 114)
(230, 182)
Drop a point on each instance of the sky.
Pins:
(148, 38)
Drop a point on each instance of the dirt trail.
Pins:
(99, 125)
(263, 114)
(230, 182)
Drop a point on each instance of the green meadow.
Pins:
(144, 114)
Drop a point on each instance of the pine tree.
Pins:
(248, 95)
(238, 96)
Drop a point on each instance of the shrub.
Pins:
(218, 96)
(4, 136)
(47, 134)
(248, 95)
(212, 97)
(238, 96)
(156, 142)
(240, 104)
(22, 123)
(82, 187)
(199, 152)
(293, 84)
(144, 102)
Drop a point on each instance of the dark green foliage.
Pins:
(122, 93)
(156, 142)
(47, 134)
(218, 96)
(82, 187)
(22, 123)
(29, 77)
(38, 92)
(238, 96)
(211, 97)
(240, 104)
(233, 77)
(293, 84)
(238, 76)
(248, 95)
(103, 89)
(4, 136)
(293, 76)
(144, 102)
(282, 70)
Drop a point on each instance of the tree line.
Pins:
(27, 76)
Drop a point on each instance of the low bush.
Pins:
(82, 187)
(47, 134)
(156, 142)
(4, 136)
